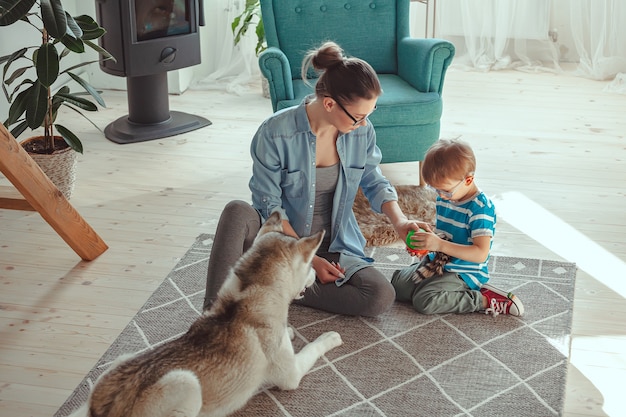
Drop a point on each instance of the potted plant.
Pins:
(240, 25)
(30, 72)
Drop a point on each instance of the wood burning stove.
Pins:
(148, 38)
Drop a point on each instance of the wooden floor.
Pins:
(550, 150)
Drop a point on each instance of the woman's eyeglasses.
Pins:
(354, 119)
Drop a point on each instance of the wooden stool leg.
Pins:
(43, 196)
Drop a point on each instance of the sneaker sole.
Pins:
(516, 301)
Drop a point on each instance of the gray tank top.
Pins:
(326, 182)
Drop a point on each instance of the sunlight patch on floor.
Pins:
(564, 240)
(561, 238)
(605, 378)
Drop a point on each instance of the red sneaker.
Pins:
(501, 302)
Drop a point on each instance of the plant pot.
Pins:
(59, 166)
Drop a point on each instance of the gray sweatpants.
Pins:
(367, 293)
(447, 293)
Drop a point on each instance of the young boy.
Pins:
(467, 219)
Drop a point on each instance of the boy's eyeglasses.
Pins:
(356, 122)
(448, 194)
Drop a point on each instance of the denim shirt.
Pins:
(283, 176)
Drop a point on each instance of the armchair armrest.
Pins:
(423, 62)
(275, 67)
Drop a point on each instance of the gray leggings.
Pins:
(367, 293)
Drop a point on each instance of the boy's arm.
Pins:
(476, 252)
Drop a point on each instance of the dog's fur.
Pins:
(239, 345)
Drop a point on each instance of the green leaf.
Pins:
(260, 35)
(47, 64)
(93, 34)
(73, 44)
(19, 129)
(73, 28)
(86, 118)
(36, 105)
(82, 64)
(17, 88)
(57, 101)
(91, 29)
(64, 89)
(53, 17)
(11, 58)
(235, 23)
(88, 88)
(16, 74)
(15, 55)
(12, 11)
(70, 138)
(106, 54)
(83, 103)
(18, 107)
(86, 23)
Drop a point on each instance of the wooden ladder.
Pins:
(38, 193)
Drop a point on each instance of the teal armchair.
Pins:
(411, 70)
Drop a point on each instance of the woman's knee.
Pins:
(237, 210)
(383, 297)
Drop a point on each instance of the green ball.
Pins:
(408, 238)
(409, 243)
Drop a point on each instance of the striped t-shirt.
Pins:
(462, 221)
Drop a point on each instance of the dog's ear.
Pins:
(309, 245)
(272, 224)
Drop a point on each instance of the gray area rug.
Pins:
(401, 363)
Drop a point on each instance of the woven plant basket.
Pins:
(59, 166)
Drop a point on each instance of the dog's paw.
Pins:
(291, 333)
(331, 339)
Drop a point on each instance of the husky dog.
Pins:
(239, 345)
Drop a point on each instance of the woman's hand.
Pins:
(327, 271)
(399, 220)
(404, 227)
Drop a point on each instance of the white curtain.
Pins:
(488, 35)
(520, 34)
(226, 66)
(499, 34)
(599, 32)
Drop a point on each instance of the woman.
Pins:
(308, 162)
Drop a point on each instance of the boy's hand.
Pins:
(428, 240)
